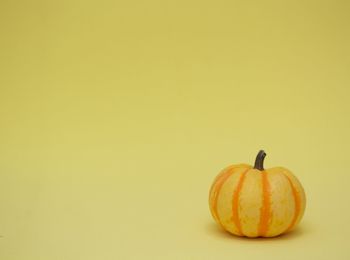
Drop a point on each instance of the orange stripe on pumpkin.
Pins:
(235, 203)
(297, 204)
(217, 178)
(265, 211)
(216, 191)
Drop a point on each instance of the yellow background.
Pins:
(115, 117)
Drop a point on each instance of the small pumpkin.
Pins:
(254, 202)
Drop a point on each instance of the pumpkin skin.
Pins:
(254, 202)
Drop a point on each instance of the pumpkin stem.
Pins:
(259, 161)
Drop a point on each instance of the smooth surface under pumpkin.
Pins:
(254, 202)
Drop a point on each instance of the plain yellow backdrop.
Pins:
(115, 117)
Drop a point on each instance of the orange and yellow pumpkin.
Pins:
(254, 202)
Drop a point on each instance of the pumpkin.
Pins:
(254, 202)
